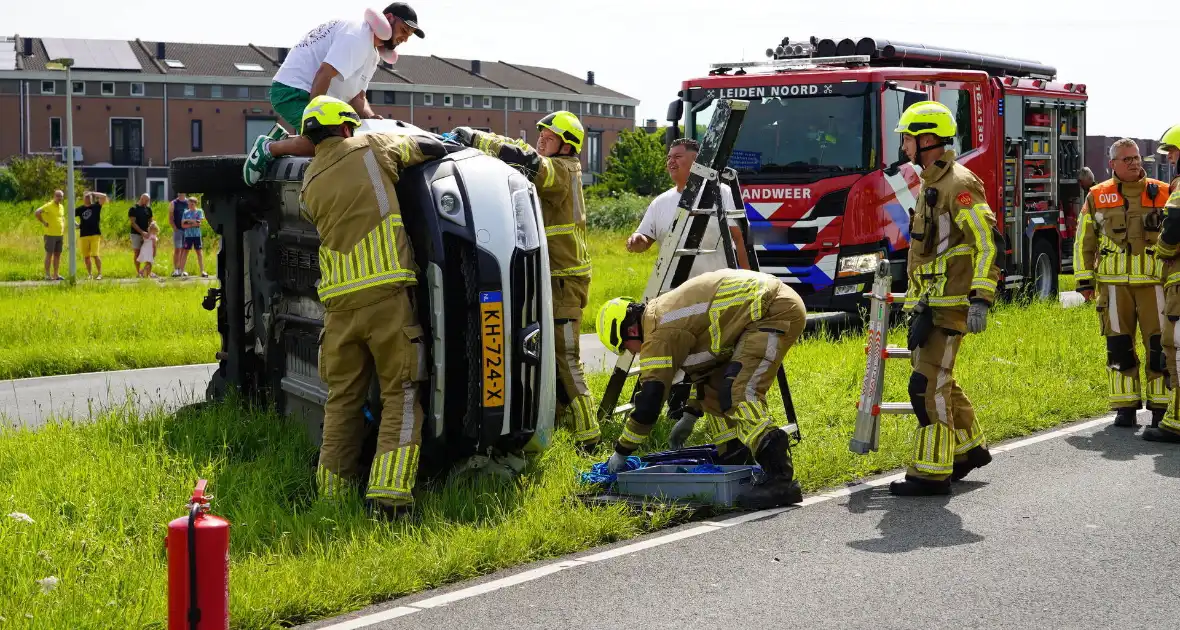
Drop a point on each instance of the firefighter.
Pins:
(1167, 249)
(1114, 256)
(367, 275)
(556, 170)
(728, 330)
(953, 273)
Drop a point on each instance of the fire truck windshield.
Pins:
(801, 135)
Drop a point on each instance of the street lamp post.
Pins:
(58, 64)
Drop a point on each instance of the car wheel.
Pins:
(214, 174)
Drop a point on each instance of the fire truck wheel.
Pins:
(212, 174)
(1043, 271)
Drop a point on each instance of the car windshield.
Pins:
(801, 134)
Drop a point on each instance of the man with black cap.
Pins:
(338, 59)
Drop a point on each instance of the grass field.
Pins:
(22, 253)
(57, 329)
(100, 495)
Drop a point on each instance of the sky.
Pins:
(646, 49)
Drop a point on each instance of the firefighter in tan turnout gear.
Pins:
(729, 331)
(953, 272)
(367, 272)
(556, 171)
(1115, 258)
(1168, 250)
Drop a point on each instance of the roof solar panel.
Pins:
(7, 54)
(93, 54)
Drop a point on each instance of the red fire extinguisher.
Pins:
(198, 568)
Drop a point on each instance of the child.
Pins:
(147, 253)
(191, 222)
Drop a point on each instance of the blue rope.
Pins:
(599, 474)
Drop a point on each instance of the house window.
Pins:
(434, 130)
(565, 106)
(48, 87)
(190, 90)
(487, 102)
(136, 89)
(519, 104)
(600, 109)
(428, 100)
(174, 63)
(107, 88)
(214, 91)
(535, 105)
(54, 133)
(243, 91)
(611, 111)
(79, 88)
(467, 100)
(248, 67)
(448, 100)
(198, 141)
(549, 105)
(387, 98)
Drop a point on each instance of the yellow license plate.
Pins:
(491, 317)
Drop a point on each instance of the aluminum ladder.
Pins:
(867, 434)
(700, 204)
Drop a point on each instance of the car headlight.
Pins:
(527, 235)
(859, 264)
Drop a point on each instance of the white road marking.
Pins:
(704, 527)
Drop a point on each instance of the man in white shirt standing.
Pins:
(337, 58)
(656, 223)
(657, 220)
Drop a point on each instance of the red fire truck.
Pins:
(820, 169)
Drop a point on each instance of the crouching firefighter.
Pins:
(729, 331)
(556, 171)
(1115, 257)
(953, 273)
(1168, 250)
(367, 275)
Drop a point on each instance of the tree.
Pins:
(38, 176)
(636, 164)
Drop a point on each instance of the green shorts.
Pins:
(289, 102)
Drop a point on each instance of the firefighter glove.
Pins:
(463, 135)
(617, 463)
(977, 316)
(682, 430)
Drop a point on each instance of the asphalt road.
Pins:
(33, 401)
(1075, 531)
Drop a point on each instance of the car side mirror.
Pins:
(675, 111)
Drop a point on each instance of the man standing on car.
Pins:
(140, 218)
(367, 275)
(337, 58)
(556, 171)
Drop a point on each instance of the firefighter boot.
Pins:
(1156, 416)
(977, 457)
(1155, 434)
(388, 511)
(919, 487)
(1125, 417)
(779, 487)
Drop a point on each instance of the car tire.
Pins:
(210, 175)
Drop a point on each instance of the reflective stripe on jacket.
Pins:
(953, 253)
(1118, 232)
(349, 194)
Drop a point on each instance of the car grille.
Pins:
(526, 313)
(299, 268)
(301, 348)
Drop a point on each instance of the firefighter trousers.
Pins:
(947, 428)
(1171, 346)
(1121, 308)
(382, 338)
(733, 396)
(574, 408)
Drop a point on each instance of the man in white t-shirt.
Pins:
(660, 214)
(337, 58)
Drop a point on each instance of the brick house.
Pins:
(138, 104)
